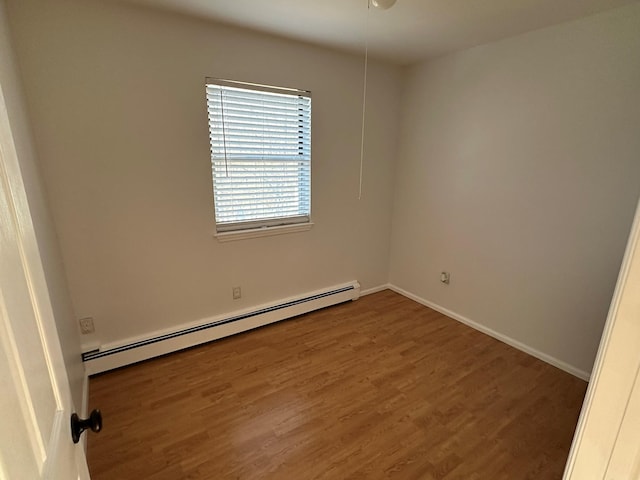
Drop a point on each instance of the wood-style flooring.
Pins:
(377, 388)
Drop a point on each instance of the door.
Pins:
(35, 401)
(606, 445)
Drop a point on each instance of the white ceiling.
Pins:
(410, 31)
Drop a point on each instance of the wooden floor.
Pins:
(378, 388)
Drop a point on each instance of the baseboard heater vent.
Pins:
(124, 353)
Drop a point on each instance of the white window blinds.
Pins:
(260, 153)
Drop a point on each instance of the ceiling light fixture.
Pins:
(383, 4)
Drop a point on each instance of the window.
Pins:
(260, 140)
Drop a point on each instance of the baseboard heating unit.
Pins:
(135, 350)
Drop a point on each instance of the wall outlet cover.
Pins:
(87, 326)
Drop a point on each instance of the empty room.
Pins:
(333, 239)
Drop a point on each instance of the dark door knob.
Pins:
(94, 423)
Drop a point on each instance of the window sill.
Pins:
(262, 232)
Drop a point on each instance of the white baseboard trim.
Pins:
(154, 344)
(377, 289)
(497, 335)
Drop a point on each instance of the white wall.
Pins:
(518, 172)
(117, 97)
(44, 229)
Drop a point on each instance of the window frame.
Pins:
(272, 225)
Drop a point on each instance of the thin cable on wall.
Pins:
(382, 5)
(364, 97)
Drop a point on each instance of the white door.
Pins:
(35, 399)
(606, 445)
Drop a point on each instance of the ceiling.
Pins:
(410, 31)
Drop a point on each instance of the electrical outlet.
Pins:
(86, 326)
(237, 293)
(445, 277)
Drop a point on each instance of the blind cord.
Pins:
(364, 96)
(224, 136)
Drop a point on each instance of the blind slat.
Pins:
(269, 108)
(250, 94)
(243, 209)
(252, 124)
(252, 201)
